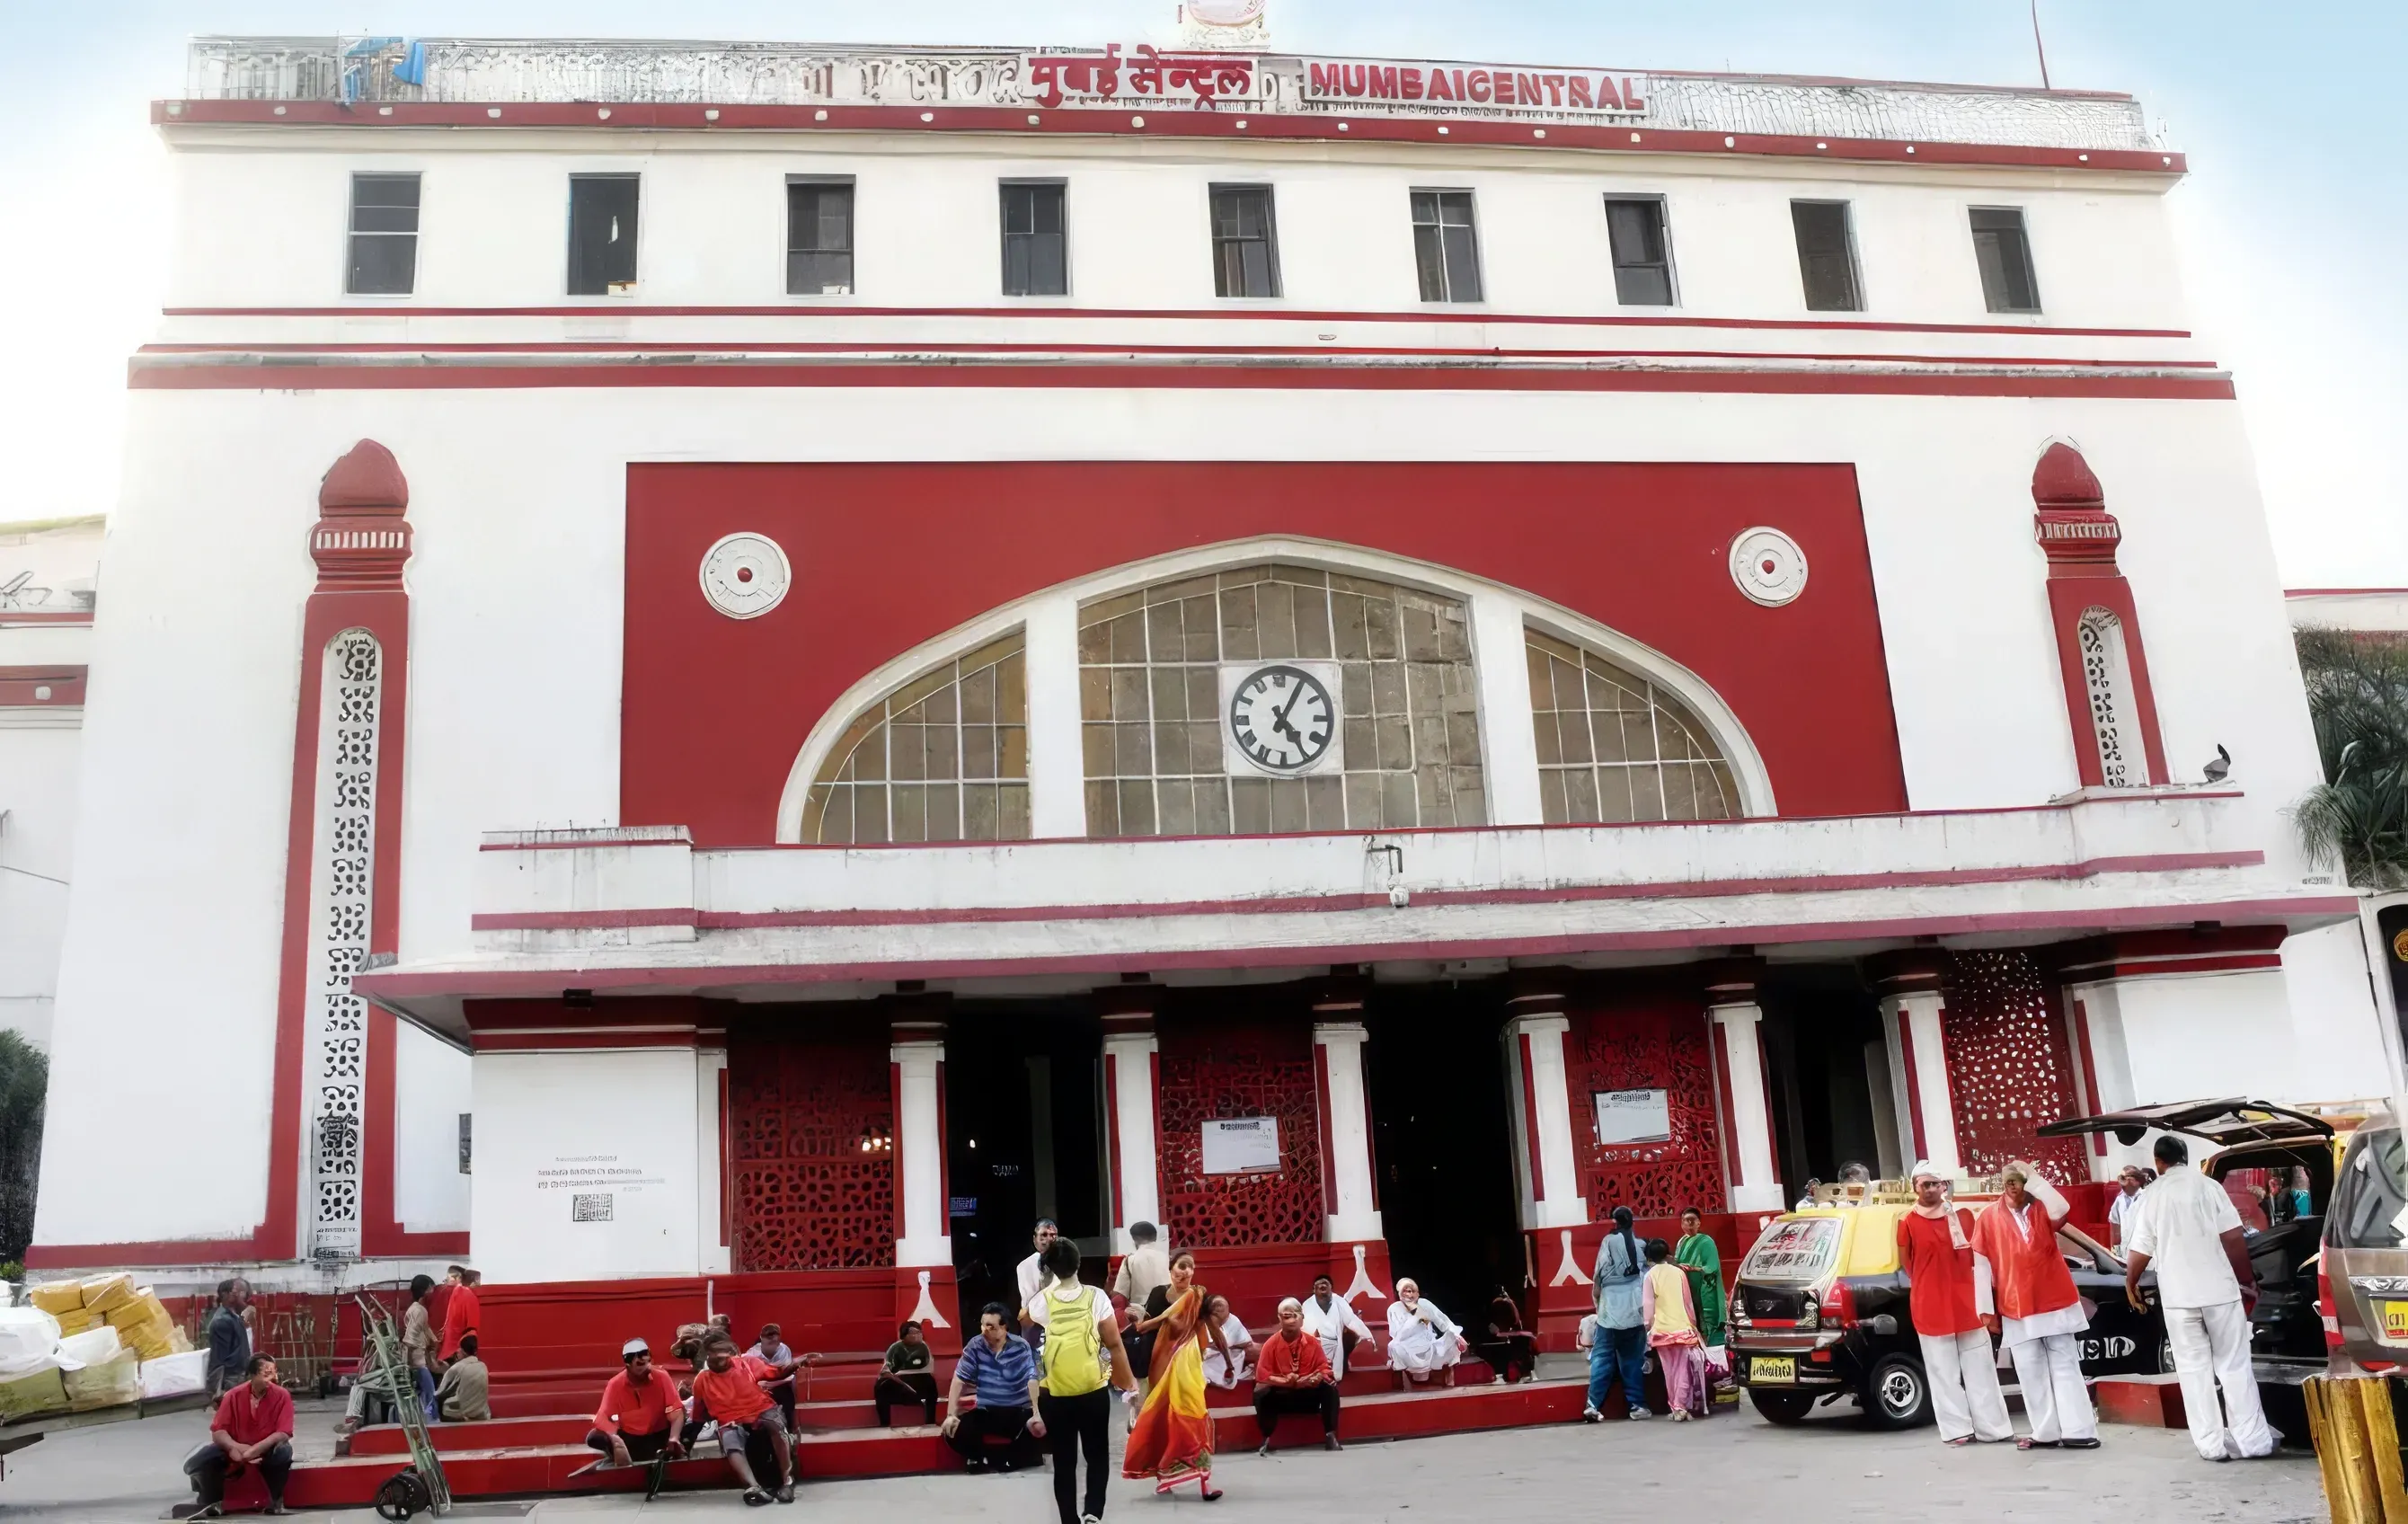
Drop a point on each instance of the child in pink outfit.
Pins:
(1668, 1309)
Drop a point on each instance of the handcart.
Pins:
(422, 1488)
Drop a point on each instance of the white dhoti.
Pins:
(2211, 1348)
(1421, 1343)
(2048, 1369)
(1964, 1379)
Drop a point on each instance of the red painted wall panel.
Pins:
(887, 555)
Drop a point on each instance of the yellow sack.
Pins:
(143, 1309)
(33, 1394)
(108, 1383)
(179, 1342)
(148, 1341)
(78, 1321)
(107, 1293)
(58, 1299)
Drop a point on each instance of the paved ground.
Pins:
(1734, 1466)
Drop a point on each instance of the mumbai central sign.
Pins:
(1339, 80)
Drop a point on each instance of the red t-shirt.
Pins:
(458, 1318)
(1943, 1276)
(249, 1421)
(1301, 1355)
(735, 1395)
(629, 1410)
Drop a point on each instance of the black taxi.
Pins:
(1818, 1312)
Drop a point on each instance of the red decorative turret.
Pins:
(2071, 520)
(362, 541)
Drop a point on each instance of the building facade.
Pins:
(804, 654)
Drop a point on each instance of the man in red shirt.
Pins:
(734, 1390)
(1947, 1305)
(253, 1427)
(641, 1417)
(459, 1311)
(1293, 1376)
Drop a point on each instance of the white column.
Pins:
(1546, 1164)
(1756, 1186)
(1511, 764)
(1057, 769)
(710, 1226)
(920, 1152)
(1919, 1078)
(1346, 1132)
(1137, 1177)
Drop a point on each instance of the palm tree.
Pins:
(2357, 820)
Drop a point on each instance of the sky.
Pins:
(2291, 223)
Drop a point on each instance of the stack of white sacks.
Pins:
(84, 1345)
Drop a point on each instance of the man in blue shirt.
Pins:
(1619, 1344)
(999, 1367)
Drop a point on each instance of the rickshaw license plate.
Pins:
(1785, 1371)
(2395, 1319)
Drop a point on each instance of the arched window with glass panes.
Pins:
(942, 758)
(1614, 746)
(1152, 710)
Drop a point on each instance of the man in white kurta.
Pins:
(1420, 1339)
(1330, 1317)
(2190, 1233)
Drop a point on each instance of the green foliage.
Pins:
(25, 1080)
(2357, 820)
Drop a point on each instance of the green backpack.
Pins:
(1074, 1364)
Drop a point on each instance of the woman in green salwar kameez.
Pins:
(1704, 1263)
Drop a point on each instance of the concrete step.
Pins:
(498, 1469)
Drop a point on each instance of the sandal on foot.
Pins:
(2080, 1444)
(756, 1498)
(2028, 1442)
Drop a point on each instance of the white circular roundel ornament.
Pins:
(745, 575)
(1768, 566)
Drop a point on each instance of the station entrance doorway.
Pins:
(1024, 1140)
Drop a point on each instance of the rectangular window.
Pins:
(1642, 259)
(1827, 256)
(818, 237)
(1035, 240)
(1445, 250)
(1245, 253)
(601, 234)
(385, 235)
(2004, 253)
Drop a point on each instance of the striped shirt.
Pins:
(1001, 1380)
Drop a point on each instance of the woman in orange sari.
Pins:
(1171, 1441)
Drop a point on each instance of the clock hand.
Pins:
(1281, 720)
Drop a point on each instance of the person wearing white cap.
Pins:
(641, 1416)
(2192, 1236)
(2040, 1316)
(1947, 1303)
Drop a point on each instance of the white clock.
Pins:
(1281, 717)
(745, 575)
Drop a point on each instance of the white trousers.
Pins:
(2049, 1372)
(1963, 1375)
(2211, 1349)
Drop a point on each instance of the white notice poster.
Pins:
(1242, 1145)
(1633, 1116)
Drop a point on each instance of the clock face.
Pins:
(1282, 718)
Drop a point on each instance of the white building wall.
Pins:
(431, 1091)
(552, 1127)
(169, 976)
(39, 753)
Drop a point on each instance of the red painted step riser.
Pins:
(831, 1410)
(343, 1483)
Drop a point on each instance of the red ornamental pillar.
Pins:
(2100, 658)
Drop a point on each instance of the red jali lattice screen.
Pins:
(1214, 1068)
(1646, 1042)
(2010, 1068)
(811, 1129)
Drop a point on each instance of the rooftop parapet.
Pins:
(1122, 77)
